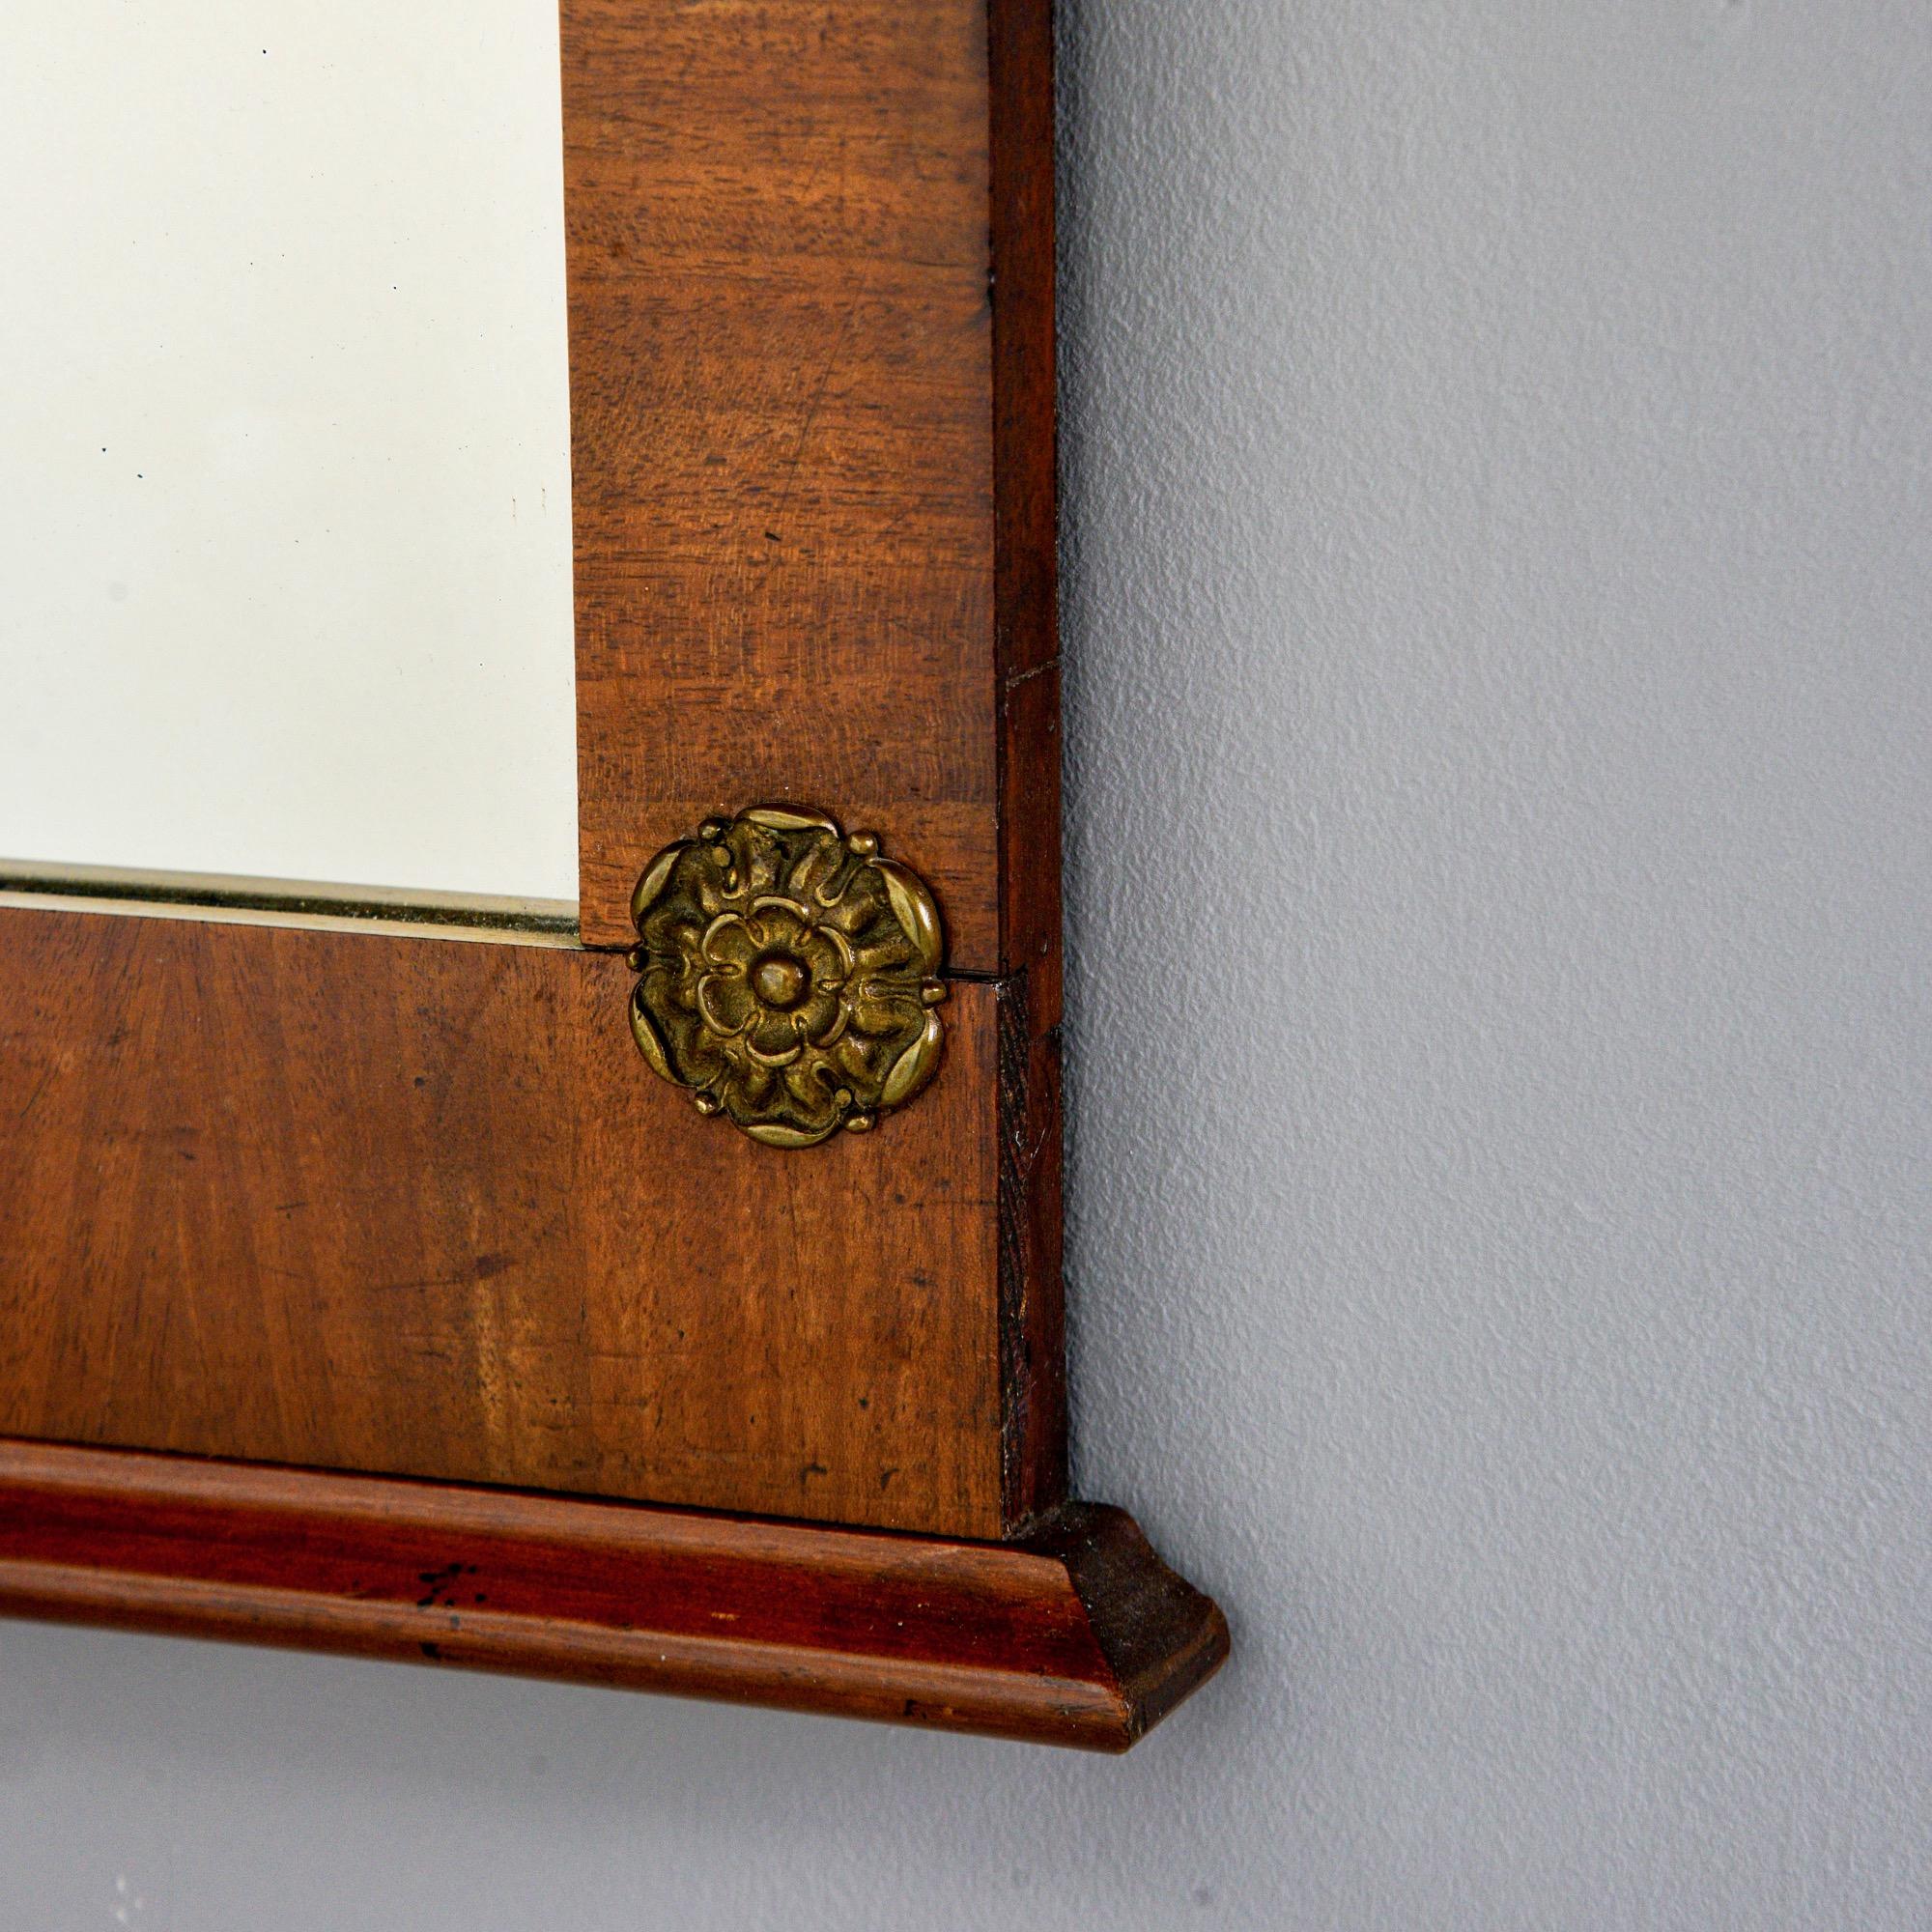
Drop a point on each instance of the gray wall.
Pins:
(1498, 599)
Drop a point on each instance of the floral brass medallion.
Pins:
(787, 975)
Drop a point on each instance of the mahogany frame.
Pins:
(363, 1291)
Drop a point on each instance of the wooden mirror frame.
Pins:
(365, 1292)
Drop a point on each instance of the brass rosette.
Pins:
(788, 975)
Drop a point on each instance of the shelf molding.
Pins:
(1077, 1635)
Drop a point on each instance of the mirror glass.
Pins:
(284, 442)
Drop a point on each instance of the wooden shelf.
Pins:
(1077, 1636)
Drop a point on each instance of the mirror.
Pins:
(285, 578)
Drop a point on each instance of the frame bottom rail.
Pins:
(1079, 1635)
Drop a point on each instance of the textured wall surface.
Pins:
(1499, 602)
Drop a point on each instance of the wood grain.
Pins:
(811, 307)
(394, 1204)
(386, 1203)
(1082, 1637)
(1033, 1325)
(1025, 497)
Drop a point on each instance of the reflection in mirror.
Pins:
(284, 444)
